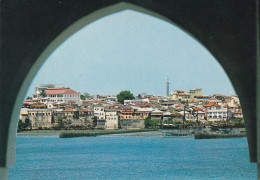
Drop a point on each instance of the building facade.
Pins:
(62, 95)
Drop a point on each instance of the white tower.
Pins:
(167, 87)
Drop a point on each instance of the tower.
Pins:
(167, 87)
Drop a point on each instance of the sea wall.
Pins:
(131, 123)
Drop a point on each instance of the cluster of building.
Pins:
(53, 106)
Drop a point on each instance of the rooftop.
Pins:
(60, 91)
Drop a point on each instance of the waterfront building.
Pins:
(87, 117)
(99, 113)
(111, 119)
(127, 113)
(23, 114)
(62, 95)
(142, 113)
(216, 112)
(39, 90)
(40, 118)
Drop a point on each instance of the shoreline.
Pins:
(88, 133)
(117, 133)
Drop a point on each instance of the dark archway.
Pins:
(226, 28)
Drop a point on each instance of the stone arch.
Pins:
(230, 54)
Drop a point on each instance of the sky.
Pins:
(132, 51)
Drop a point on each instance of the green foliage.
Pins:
(150, 123)
(43, 93)
(26, 125)
(200, 135)
(76, 115)
(124, 95)
(168, 121)
(238, 122)
(84, 96)
(59, 121)
(28, 98)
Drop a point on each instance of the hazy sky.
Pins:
(132, 51)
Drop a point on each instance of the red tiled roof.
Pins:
(143, 104)
(168, 103)
(238, 112)
(180, 91)
(212, 98)
(87, 110)
(220, 95)
(197, 109)
(60, 91)
(127, 110)
(211, 104)
(153, 98)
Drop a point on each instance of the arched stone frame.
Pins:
(249, 111)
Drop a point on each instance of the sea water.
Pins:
(131, 158)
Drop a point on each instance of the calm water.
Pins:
(131, 158)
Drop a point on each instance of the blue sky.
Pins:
(132, 51)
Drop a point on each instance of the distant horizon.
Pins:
(133, 51)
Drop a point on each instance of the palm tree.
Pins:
(43, 93)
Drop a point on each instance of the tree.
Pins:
(59, 121)
(27, 123)
(43, 93)
(24, 125)
(76, 114)
(84, 96)
(124, 95)
(149, 123)
(238, 122)
(28, 98)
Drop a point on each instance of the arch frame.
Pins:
(105, 10)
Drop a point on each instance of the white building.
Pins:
(216, 112)
(238, 114)
(180, 95)
(62, 95)
(99, 112)
(135, 101)
(38, 90)
(111, 98)
(111, 119)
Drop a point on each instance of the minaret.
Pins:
(167, 87)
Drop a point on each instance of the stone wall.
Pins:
(131, 123)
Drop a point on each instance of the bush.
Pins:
(238, 122)
(149, 123)
(26, 125)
